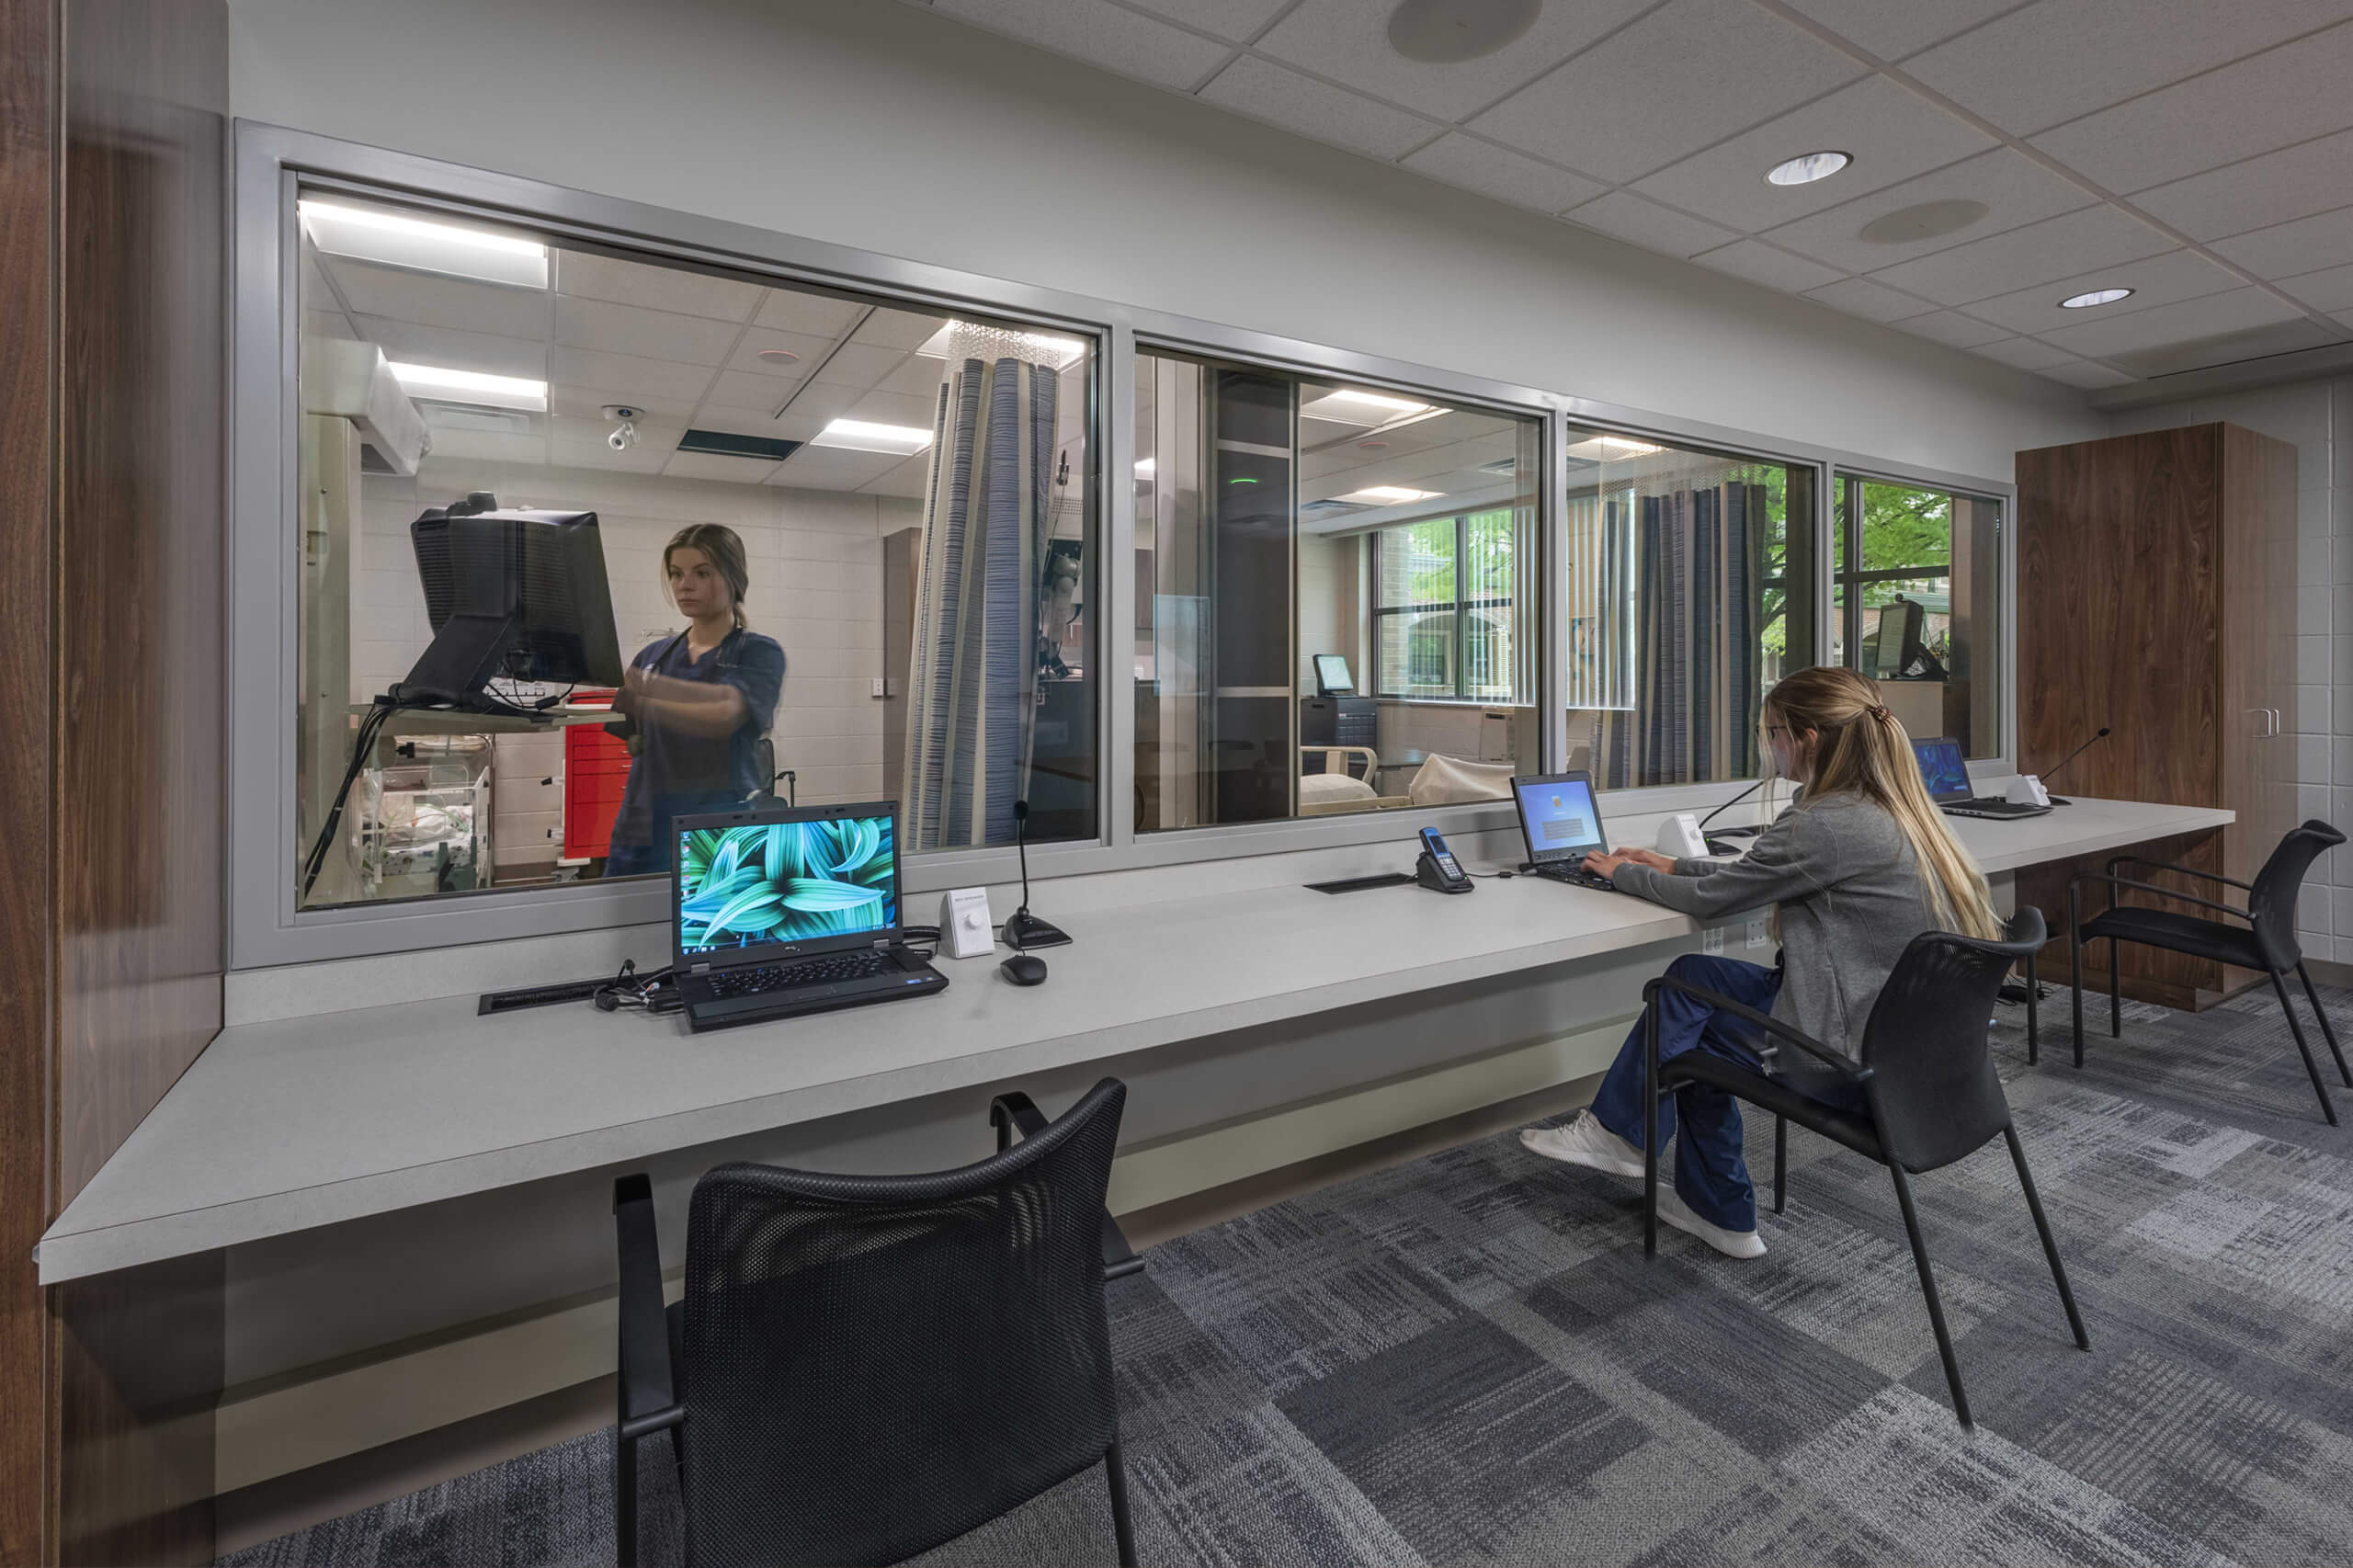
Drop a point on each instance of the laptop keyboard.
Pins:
(1573, 873)
(830, 970)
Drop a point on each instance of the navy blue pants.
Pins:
(1711, 1174)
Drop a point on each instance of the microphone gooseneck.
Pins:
(2099, 737)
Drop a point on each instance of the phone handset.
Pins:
(1438, 870)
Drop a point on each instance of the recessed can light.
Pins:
(1807, 168)
(2097, 297)
(1446, 32)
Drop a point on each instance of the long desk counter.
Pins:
(283, 1126)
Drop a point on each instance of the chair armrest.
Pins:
(2114, 881)
(1015, 1111)
(2185, 870)
(648, 1398)
(1846, 1066)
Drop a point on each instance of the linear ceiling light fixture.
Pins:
(1608, 449)
(2097, 297)
(1063, 352)
(396, 239)
(865, 436)
(471, 386)
(1388, 496)
(1807, 168)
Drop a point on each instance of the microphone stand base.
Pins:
(1024, 931)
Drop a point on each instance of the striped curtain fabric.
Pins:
(972, 677)
(1699, 560)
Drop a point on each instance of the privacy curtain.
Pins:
(1699, 559)
(972, 673)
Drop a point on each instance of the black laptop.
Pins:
(1946, 774)
(1560, 822)
(783, 910)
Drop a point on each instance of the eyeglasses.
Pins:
(1777, 729)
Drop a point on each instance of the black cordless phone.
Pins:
(1438, 867)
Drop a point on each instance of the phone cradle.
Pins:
(1425, 872)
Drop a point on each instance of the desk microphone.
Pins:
(1024, 930)
(1717, 847)
(2070, 758)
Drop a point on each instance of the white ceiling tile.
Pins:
(747, 392)
(1269, 92)
(2154, 280)
(2287, 249)
(580, 443)
(1100, 34)
(2293, 182)
(816, 315)
(1627, 217)
(1237, 20)
(479, 351)
(650, 334)
(1952, 327)
(2025, 353)
(1893, 29)
(489, 446)
(1611, 111)
(654, 288)
(634, 380)
(833, 468)
(893, 408)
(888, 328)
(1502, 174)
(1891, 133)
(2344, 318)
(2052, 62)
(2084, 373)
(738, 421)
(1347, 41)
(312, 285)
(327, 324)
(459, 302)
(2002, 264)
(920, 376)
(1760, 263)
(1872, 301)
(908, 479)
(2330, 289)
(758, 339)
(575, 400)
(2013, 189)
(814, 407)
(709, 465)
(856, 365)
(2213, 315)
(2286, 96)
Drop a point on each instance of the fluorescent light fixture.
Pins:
(1388, 496)
(864, 436)
(1060, 352)
(2097, 297)
(1144, 467)
(1606, 448)
(471, 386)
(1807, 168)
(1379, 400)
(367, 233)
(1349, 406)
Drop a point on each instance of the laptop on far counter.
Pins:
(779, 911)
(1946, 773)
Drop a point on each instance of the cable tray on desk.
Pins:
(1363, 884)
(538, 995)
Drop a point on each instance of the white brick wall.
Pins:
(816, 568)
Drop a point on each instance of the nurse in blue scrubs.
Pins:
(698, 703)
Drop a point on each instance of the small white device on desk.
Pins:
(964, 928)
(1679, 836)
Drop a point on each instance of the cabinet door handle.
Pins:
(2270, 725)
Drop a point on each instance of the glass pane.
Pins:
(1926, 621)
(1689, 595)
(1374, 541)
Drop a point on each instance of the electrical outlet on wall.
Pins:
(1712, 941)
(1758, 937)
(880, 689)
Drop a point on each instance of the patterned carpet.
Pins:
(1467, 1359)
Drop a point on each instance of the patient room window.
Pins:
(913, 491)
(1917, 607)
(1335, 605)
(1688, 594)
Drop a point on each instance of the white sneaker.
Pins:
(1584, 1141)
(1732, 1243)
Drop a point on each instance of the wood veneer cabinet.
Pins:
(2143, 604)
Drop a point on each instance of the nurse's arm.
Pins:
(706, 708)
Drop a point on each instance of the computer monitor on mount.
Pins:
(519, 593)
(1332, 678)
(1900, 650)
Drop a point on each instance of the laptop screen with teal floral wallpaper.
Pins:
(823, 877)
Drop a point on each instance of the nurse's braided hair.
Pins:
(724, 548)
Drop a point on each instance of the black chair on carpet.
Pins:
(2268, 943)
(1926, 1079)
(864, 1367)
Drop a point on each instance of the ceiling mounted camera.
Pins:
(624, 434)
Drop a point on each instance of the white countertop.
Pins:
(281, 1126)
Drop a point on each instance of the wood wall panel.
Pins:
(27, 138)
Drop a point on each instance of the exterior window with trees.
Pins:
(1689, 594)
(1444, 596)
(1915, 575)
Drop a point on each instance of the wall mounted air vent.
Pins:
(719, 443)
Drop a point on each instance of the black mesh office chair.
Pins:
(2268, 943)
(1930, 1093)
(864, 1367)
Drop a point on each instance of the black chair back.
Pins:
(874, 1365)
(1933, 1091)
(2273, 901)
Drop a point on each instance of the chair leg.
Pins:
(2115, 988)
(1115, 1472)
(1928, 1289)
(2033, 1029)
(625, 1499)
(1650, 1132)
(2326, 1033)
(2076, 969)
(1780, 1163)
(2050, 1244)
(2304, 1050)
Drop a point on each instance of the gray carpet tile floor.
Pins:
(1467, 1359)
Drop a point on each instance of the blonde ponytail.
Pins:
(1861, 747)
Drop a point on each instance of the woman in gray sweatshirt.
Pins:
(1860, 866)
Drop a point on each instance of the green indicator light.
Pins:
(1242, 482)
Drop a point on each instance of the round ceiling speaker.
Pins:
(1446, 32)
(779, 356)
(1927, 222)
(1372, 446)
